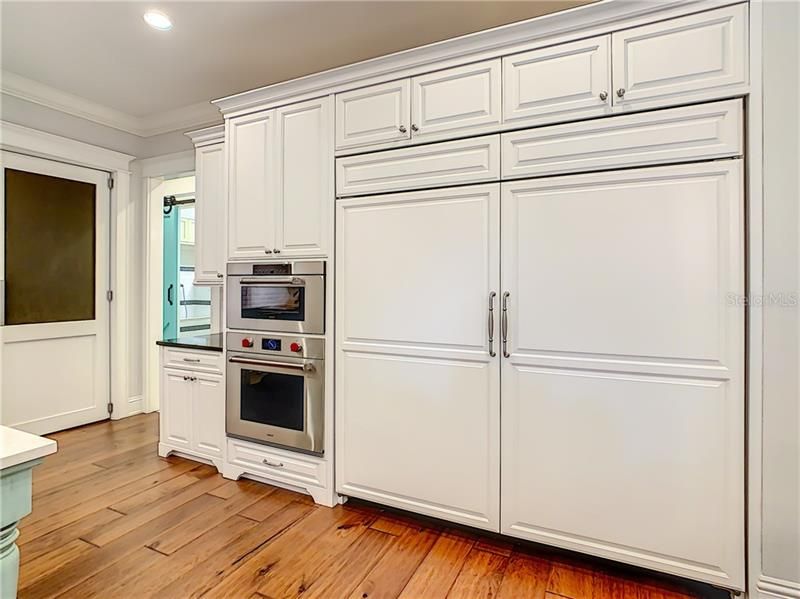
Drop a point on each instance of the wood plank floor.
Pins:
(112, 519)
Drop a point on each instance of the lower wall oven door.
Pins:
(276, 401)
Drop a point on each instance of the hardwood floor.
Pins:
(112, 519)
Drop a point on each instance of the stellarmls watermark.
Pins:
(781, 299)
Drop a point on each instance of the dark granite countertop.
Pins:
(211, 342)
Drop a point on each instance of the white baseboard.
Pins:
(776, 588)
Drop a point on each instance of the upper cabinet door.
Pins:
(305, 178)
(210, 212)
(251, 186)
(372, 115)
(463, 99)
(677, 60)
(558, 83)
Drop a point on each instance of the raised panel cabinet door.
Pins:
(251, 185)
(305, 178)
(675, 60)
(417, 388)
(208, 415)
(176, 408)
(622, 393)
(455, 101)
(372, 115)
(209, 215)
(558, 83)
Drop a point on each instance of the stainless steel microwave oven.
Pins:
(286, 297)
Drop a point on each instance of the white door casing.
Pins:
(56, 375)
(417, 392)
(622, 399)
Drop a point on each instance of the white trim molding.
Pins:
(207, 136)
(546, 30)
(194, 115)
(769, 588)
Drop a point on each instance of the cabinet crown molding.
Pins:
(571, 24)
(207, 135)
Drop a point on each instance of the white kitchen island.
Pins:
(19, 453)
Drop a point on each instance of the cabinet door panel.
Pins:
(208, 422)
(558, 83)
(251, 185)
(627, 352)
(210, 215)
(305, 178)
(455, 101)
(372, 115)
(417, 391)
(671, 60)
(176, 408)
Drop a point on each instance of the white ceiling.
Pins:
(104, 53)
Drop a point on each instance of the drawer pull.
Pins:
(191, 359)
(273, 464)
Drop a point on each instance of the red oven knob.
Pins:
(247, 342)
(296, 347)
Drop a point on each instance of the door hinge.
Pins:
(111, 182)
(109, 295)
(110, 407)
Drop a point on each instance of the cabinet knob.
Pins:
(414, 127)
(402, 129)
(603, 95)
(620, 92)
(220, 275)
(277, 251)
(267, 251)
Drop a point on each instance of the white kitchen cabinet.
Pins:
(463, 99)
(627, 355)
(558, 83)
(209, 205)
(176, 409)
(305, 178)
(417, 391)
(676, 59)
(252, 185)
(374, 114)
(192, 405)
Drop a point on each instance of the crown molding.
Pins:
(574, 23)
(207, 136)
(194, 115)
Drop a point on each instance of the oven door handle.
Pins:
(273, 282)
(254, 362)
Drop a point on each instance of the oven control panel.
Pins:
(274, 344)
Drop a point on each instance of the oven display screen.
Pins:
(271, 344)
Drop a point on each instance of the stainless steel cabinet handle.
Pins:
(603, 96)
(402, 128)
(504, 324)
(191, 359)
(273, 464)
(620, 92)
(414, 127)
(274, 281)
(492, 295)
(271, 363)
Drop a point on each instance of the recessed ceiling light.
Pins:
(158, 20)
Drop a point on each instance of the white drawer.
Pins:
(677, 134)
(284, 465)
(448, 163)
(199, 360)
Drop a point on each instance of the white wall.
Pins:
(780, 509)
